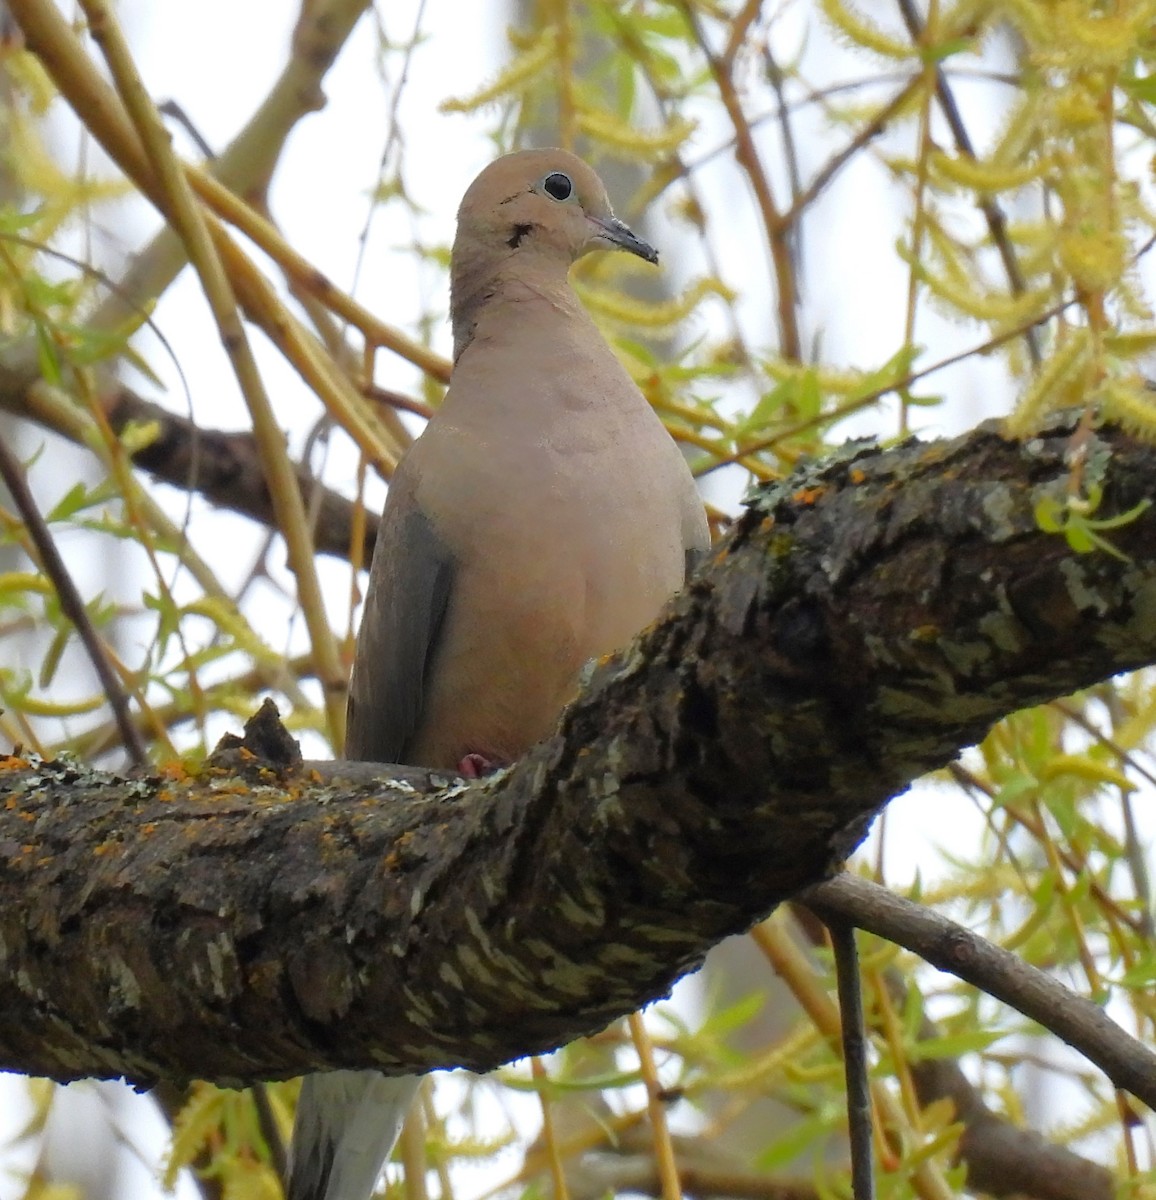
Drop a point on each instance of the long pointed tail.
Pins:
(347, 1123)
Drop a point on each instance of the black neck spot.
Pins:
(520, 232)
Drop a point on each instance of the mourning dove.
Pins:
(541, 520)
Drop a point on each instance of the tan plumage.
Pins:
(542, 519)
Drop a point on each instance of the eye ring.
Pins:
(558, 186)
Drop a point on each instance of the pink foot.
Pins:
(475, 766)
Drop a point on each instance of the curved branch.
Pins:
(1079, 1022)
(866, 620)
(1002, 1158)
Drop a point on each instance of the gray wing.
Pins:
(410, 581)
(348, 1121)
(695, 529)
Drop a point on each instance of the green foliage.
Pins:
(1083, 532)
(217, 1134)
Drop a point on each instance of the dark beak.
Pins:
(611, 232)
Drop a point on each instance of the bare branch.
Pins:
(778, 232)
(1002, 1158)
(1079, 1022)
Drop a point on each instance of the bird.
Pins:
(541, 520)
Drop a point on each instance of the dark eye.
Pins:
(558, 185)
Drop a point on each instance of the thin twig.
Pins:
(992, 213)
(267, 1123)
(740, 26)
(824, 95)
(798, 972)
(246, 164)
(747, 156)
(53, 41)
(835, 164)
(171, 191)
(71, 604)
(549, 1137)
(663, 1149)
(855, 1066)
(685, 172)
(391, 399)
(1002, 1159)
(790, 149)
(173, 110)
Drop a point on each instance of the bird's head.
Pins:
(542, 203)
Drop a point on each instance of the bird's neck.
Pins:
(479, 291)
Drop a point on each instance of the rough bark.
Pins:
(866, 620)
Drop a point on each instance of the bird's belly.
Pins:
(538, 611)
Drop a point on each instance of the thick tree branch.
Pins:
(866, 620)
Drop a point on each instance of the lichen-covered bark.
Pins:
(865, 620)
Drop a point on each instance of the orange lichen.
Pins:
(808, 495)
(238, 788)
